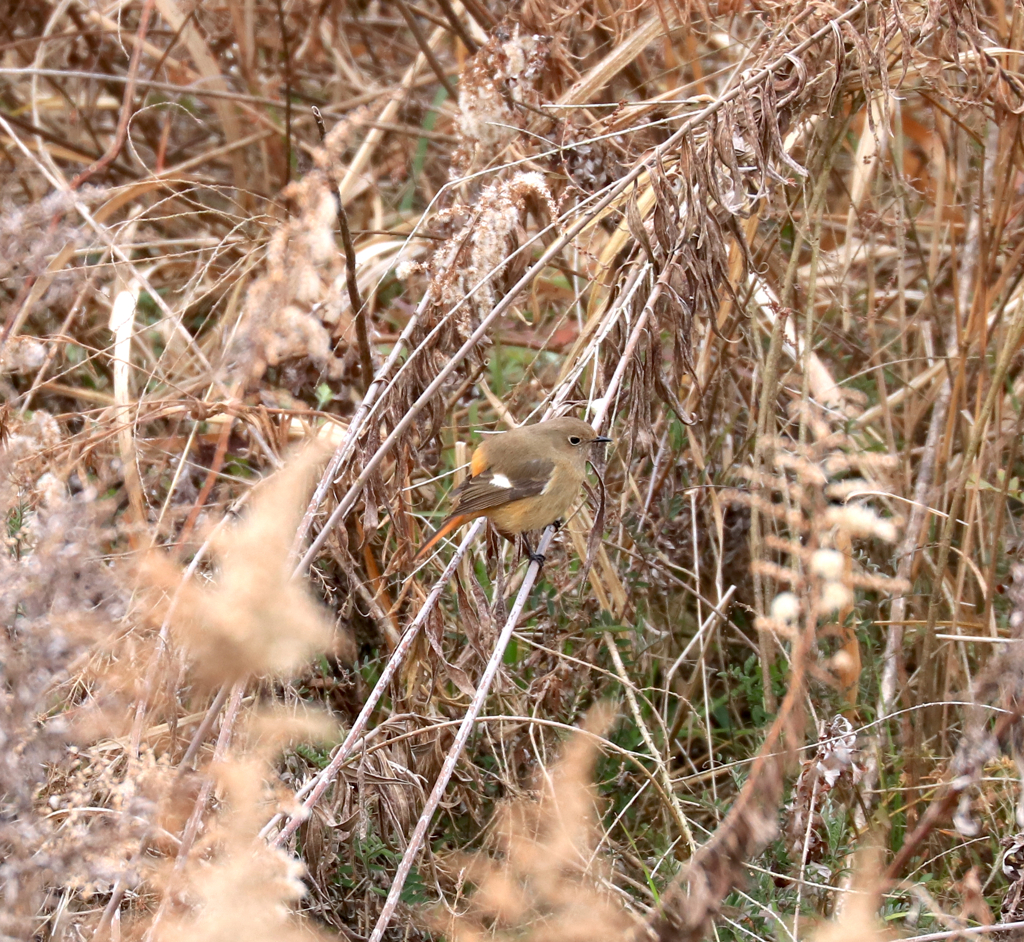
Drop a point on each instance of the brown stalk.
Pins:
(110, 911)
(191, 831)
(1010, 345)
(338, 112)
(997, 529)
(458, 26)
(428, 53)
(359, 312)
(286, 54)
(481, 14)
(126, 104)
(211, 479)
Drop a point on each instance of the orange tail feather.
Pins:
(452, 523)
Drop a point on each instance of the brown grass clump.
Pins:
(58, 603)
(799, 497)
(255, 619)
(544, 878)
(233, 885)
(296, 310)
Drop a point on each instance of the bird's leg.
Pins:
(538, 558)
(557, 524)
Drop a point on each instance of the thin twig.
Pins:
(198, 91)
(461, 738)
(126, 103)
(286, 54)
(359, 312)
(634, 708)
(481, 14)
(428, 53)
(346, 447)
(458, 26)
(965, 931)
(327, 775)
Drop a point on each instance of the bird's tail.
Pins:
(452, 523)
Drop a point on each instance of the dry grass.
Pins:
(774, 250)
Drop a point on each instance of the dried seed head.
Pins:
(256, 619)
(502, 74)
(827, 563)
(858, 520)
(834, 597)
(786, 607)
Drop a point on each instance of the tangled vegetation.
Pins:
(268, 270)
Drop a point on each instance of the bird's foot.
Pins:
(534, 557)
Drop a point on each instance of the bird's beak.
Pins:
(601, 439)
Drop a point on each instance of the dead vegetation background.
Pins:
(774, 250)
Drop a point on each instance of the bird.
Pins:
(522, 480)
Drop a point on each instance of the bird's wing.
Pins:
(490, 488)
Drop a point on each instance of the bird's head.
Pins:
(571, 437)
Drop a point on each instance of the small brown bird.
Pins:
(522, 480)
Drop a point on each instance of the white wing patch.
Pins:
(500, 480)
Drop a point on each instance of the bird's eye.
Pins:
(575, 440)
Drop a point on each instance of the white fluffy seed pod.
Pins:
(835, 596)
(827, 563)
(785, 607)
